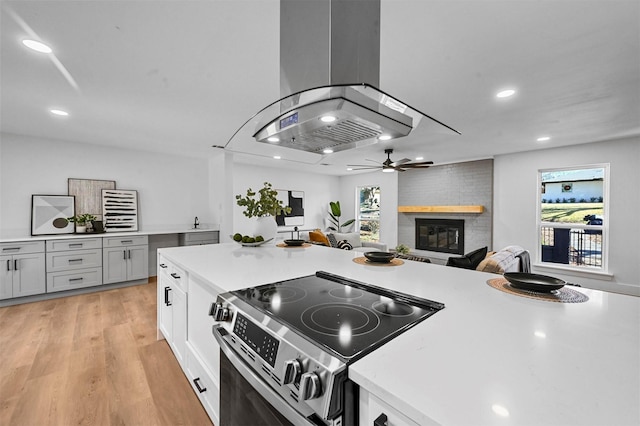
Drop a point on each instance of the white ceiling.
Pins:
(181, 76)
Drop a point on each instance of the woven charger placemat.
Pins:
(283, 245)
(364, 261)
(562, 295)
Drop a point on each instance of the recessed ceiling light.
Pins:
(276, 157)
(349, 169)
(328, 151)
(543, 138)
(273, 139)
(500, 410)
(505, 93)
(59, 112)
(328, 118)
(37, 46)
(419, 158)
(384, 137)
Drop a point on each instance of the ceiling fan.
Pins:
(390, 166)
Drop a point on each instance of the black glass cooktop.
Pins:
(346, 317)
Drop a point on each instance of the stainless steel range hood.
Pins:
(329, 74)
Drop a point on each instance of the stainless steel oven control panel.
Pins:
(298, 370)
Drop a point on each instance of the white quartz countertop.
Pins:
(488, 358)
(11, 238)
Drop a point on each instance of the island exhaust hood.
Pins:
(329, 74)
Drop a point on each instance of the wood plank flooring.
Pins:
(91, 359)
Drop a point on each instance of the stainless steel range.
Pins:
(292, 342)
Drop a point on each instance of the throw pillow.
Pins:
(352, 237)
(318, 236)
(344, 245)
(333, 242)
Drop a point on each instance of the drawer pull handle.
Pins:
(163, 266)
(11, 249)
(176, 276)
(126, 241)
(381, 420)
(166, 296)
(75, 279)
(195, 382)
(75, 260)
(75, 245)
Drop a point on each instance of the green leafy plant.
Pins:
(81, 219)
(402, 249)
(334, 215)
(262, 203)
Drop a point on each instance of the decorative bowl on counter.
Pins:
(533, 282)
(379, 256)
(254, 244)
(294, 243)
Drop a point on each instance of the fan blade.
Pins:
(364, 165)
(424, 163)
(400, 162)
(366, 168)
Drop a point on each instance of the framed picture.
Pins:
(119, 210)
(49, 214)
(88, 193)
(295, 200)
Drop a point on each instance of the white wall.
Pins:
(318, 191)
(172, 190)
(515, 195)
(388, 183)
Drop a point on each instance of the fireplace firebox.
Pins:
(440, 235)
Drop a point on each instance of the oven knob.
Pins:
(219, 312)
(310, 386)
(292, 370)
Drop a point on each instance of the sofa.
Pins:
(345, 241)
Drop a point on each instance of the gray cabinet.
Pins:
(73, 263)
(23, 269)
(125, 258)
(198, 238)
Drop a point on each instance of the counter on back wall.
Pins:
(488, 358)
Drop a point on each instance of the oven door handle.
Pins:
(256, 381)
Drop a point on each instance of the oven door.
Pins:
(245, 399)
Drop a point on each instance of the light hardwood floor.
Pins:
(91, 359)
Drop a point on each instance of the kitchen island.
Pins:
(489, 357)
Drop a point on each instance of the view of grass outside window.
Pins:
(572, 216)
(369, 213)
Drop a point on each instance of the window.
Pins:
(369, 213)
(573, 217)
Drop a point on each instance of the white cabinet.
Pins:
(374, 411)
(172, 307)
(198, 238)
(23, 269)
(204, 384)
(74, 263)
(125, 258)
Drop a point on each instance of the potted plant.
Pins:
(262, 205)
(81, 221)
(334, 215)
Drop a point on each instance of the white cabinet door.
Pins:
(6, 277)
(28, 274)
(137, 262)
(114, 264)
(165, 306)
(179, 333)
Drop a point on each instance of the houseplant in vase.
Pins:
(81, 221)
(264, 206)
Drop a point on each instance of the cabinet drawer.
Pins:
(71, 260)
(205, 386)
(195, 238)
(74, 244)
(134, 240)
(68, 280)
(22, 247)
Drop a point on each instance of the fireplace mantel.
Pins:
(440, 209)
